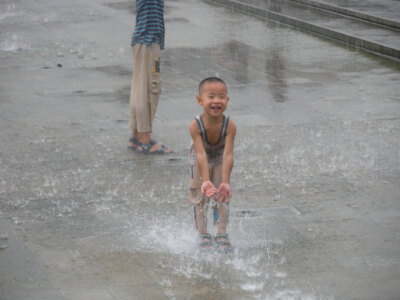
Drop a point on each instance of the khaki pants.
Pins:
(146, 86)
(200, 202)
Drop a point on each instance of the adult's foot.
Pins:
(152, 147)
(133, 144)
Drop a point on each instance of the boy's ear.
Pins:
(198, 98)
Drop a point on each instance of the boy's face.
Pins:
(214, 99)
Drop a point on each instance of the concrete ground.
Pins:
(315, 212)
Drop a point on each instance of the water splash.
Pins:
(253, 270)
(13, 44)
(10, 12)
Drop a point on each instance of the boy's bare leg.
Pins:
(200, 205)
(199, 211)
(222, 207)
(221, 238)
(200, 220)
(199, 214)
(223, 216)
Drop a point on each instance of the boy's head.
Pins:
(210, 80)
(213, 96)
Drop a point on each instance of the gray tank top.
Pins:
(214, 151)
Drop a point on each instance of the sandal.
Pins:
(222, 240)
(133, 141)
(206, 242)
(146, 148)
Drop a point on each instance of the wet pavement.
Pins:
(315, 212)
(386, 9)
(352, 28)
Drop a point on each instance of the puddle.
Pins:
(163, 161)
(93, 92)
(266, 212)
(247, 213)
(125, 6)
(174, 161)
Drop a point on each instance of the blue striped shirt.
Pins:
(149, 23)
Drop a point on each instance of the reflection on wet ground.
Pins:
(352, 28)
(275, 68)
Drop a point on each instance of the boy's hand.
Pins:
(224, 193)
(208, 188)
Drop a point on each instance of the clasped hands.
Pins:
(223, 193)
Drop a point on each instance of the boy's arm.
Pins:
(224, 191)
(202, 163)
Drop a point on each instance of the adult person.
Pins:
(147, 43)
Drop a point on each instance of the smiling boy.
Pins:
(211, 162)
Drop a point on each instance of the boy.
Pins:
(211, 162)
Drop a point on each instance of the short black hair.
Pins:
(210, 80)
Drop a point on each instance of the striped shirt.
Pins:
(149, 23)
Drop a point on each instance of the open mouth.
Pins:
(215, 108)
